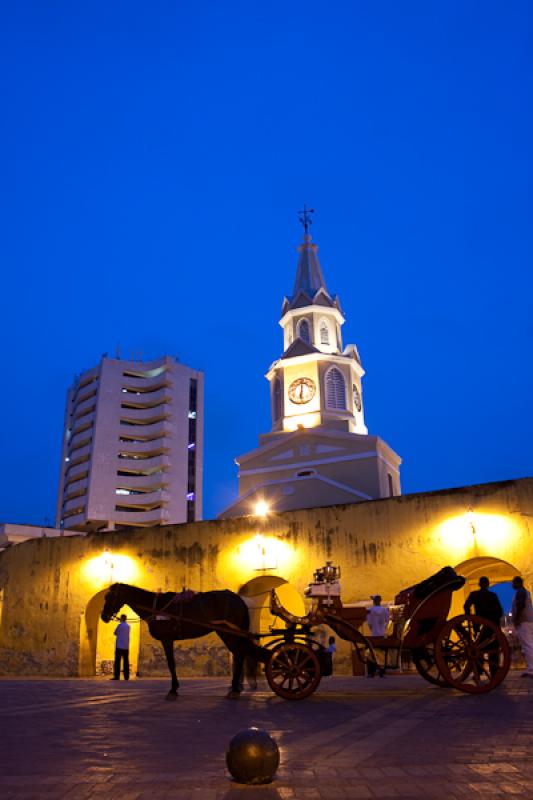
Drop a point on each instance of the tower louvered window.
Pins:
(303, 331)
(277, 399)
(335, 389)
(324, 333)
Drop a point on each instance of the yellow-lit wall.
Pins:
(53, 589)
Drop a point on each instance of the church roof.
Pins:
(309, 286)
(299, 348)
(309, 277)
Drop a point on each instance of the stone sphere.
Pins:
(252, 757)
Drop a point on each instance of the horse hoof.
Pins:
(233, 694)
(171, 696)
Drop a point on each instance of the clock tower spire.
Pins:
(320, 381)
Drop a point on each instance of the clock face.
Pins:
(356, 397)
(302, 390)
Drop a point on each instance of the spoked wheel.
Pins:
(472, 654)
(424, 661)
(293, 670)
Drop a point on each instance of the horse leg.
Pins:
(168, 646)
(237, 676)
(250, 669)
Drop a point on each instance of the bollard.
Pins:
(252, 757)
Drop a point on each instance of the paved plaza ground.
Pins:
(355, 738)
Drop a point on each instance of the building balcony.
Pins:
(144, 401)
(147, 482)
(80, 455)
(76, 472)
(87, 379)
(73, 506)
(75, 489)
(82, 409)
(157, 516)
(145, 386)
(156, 447)
(145, 433)
(144, 466)
(146, 416)
(76, 522)
(88, 393)
(84, 424)
(79, 440)
(141, 502)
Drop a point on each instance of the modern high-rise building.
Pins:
(132, 446)
(318, 452)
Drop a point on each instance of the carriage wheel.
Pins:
(293, 671)
(472, 654)
(424, 661)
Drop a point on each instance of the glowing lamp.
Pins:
(261, 508)
(110, 568)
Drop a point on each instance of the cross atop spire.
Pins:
(305, 218)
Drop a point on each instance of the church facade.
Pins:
(319, 451)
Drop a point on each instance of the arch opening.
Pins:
(256, 595)
(499, 572)
(97, 640)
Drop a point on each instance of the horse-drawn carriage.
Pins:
(466, 652)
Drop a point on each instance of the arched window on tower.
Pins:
(335, 389)
(303, 331)
(276, 399)
(324, 332)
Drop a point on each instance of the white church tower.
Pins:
(319, 451)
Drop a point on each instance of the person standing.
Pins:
(122, 649)
(377, 619)
(487, 605)
(523, 623)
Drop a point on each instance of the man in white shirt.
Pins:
(377, 618)
(122, 649)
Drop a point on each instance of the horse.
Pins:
(188, 615)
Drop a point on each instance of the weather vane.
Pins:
(305, 217)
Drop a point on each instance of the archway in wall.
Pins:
(97, 640)
(256, 594)
(495, 569)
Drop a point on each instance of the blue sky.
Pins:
(154, 158)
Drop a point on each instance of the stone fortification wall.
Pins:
(51, 590)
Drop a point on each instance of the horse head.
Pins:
(113, 601)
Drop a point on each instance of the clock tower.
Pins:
(315, 382)
(319, 451)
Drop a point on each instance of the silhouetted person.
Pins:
(523, 623)
(487, 605)
(122, 649)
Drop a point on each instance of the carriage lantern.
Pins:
(327, 574)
